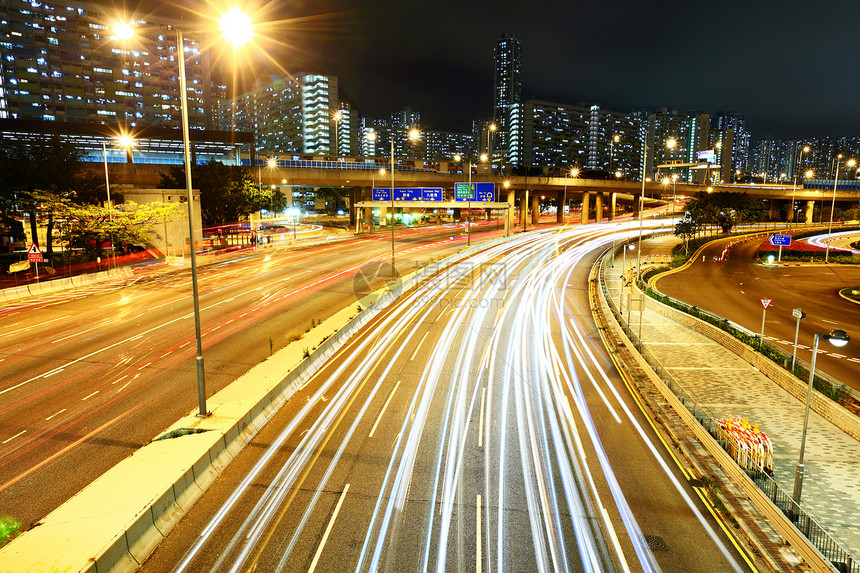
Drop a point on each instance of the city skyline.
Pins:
(748, 59)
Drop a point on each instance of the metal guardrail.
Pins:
(841, 559)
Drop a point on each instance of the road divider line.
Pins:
(481, 421)
(478, 554)
(145, 365)
(328, 529)
(384, 407)
(52, 372)
(417, 348)
(55, 415)
(90, 396)
(13, 437)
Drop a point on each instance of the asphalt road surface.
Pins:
(477, 424)
(733, 289)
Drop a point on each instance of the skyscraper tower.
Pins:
(507, 84)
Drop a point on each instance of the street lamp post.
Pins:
(615, 139)
(237, 29)
(110, 206)
(641, 209)
(338, 115)
(805, 149)
(849, 163)
(490, 129)
(837, 338)
(413, 136)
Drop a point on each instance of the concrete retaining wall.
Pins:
(56, 285)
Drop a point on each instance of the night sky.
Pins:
(789, 67)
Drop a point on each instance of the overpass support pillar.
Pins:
(383, 217)
(637, 204)
(774, 210)
(613, 197)
(561, 204)
(368, 211)
(509, 216)
(810, 211)
(598, 207)
(586, 197)
(535, 209)
(524, 208)
(354, 197)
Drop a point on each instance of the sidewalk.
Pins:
(726, 385)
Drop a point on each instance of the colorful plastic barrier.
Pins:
(750, 447)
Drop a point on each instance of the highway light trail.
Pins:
(498, 413)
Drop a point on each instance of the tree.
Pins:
(227, 194)
(724, 209)
(686, 229)
(91, 226)
(51, 166)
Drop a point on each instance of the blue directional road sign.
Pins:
(780, 240)
(382, 193)
(431, 193)
(479, 191)
(407, 194)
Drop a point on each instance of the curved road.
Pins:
(733, 289)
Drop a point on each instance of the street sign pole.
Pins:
(765, 302)
(798, 314)
(779, 260)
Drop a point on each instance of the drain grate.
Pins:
(655, 543)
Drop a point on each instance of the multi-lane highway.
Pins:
(476, 424)
(733, 289)
(89, 375)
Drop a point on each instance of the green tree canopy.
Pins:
(724, 209)
(227, 194)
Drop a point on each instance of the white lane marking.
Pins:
(118, 379)
(614, 537)
(378, 418)
(145, 365)
(91, 395)
(75, 334)
(478, 559)
(13, 437)
(52, 372)
(328, 529)
(481, 419)
(30, 327)
(854, 360)
(417, 348)
(828, 321)
(55, 415)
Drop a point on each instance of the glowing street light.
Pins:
(337, 116)
(574, 172)
(615, 139)
(837, 338)
(849, 163)
(236, 27)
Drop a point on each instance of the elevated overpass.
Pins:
(596, 199)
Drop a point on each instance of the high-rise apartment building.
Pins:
(615, 142)
(507, 85)
(272, 112)
(62, 62)
(549, 134)
(676, 138)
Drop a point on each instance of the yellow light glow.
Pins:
(272, 162)
(338, 115)
(492, 127)
(616, 139)
(125, 141)
(484, 157)
(618, 174)
(236, 27)
(574, 172)
(414, 134)
(671, 143)
(851, 163)
(506, 184)
(665, 181)
(457, 158)
(371, 136)
(123, 31)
